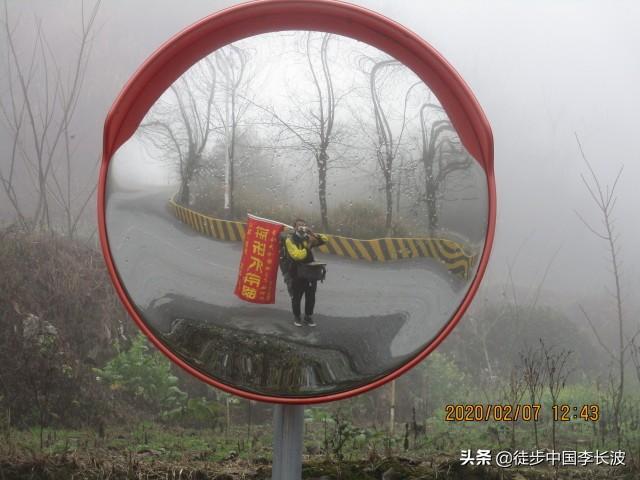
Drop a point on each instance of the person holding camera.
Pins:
(302, 278)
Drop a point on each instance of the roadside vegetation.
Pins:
(81, 391)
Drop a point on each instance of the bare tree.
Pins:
(556, 372)
(323, 119)
(607, 386)
(441, 155)
(232, 65)
(483, 318)
(41, 105)
(605, 200)
(255, 187)
(513, 391)
(386, 144)
(180, 124)
(313, 120)
(533, 377)
(392, 408)
(205, 102)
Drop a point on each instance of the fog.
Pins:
(542, 71)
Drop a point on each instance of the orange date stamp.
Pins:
(519, 412)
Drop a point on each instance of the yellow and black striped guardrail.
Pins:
(384, 249)
(451, 253)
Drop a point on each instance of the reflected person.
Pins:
(302, 274)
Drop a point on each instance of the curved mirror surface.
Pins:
(285, 126)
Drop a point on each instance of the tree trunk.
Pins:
(432, 211)
(621, 347)
(486, 355)
(398, 187)
(392, 409)
(388, 187)
(232, 152)
(322, 189)
(184, 193)
(228, 429)
(249, 423)
(231, 200)
(227, 164)
(606, 201)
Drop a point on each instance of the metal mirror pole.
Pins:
(288, 427)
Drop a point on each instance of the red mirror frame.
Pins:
(178, 54)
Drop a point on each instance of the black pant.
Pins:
(300, 287)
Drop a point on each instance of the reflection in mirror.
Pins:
(297, 125)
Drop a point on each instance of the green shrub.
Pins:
(144, 376)
(197, 412)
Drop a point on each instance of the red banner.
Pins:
(259, 264)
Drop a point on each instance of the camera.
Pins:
(303, 231)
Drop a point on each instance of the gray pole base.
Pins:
(288, 427)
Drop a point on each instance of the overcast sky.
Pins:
(541, 71)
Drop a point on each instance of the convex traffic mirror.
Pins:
(315, 135)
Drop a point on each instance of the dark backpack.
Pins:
(312, 271)
(289, 268)
(286, 262)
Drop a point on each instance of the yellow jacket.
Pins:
(301, 251)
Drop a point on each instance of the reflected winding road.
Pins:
(372, 317)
